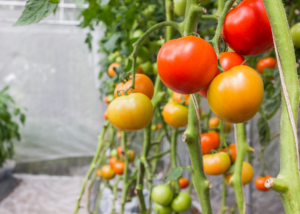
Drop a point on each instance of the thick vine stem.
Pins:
(236, 179)
(289, 161)
(215, 40)
(224, 195)
(191, 13)
(125, 175)
(92, 166)
(173, 156)
(192, 138)
(221, 4)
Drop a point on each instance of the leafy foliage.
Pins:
(9, 128)
(175, 173)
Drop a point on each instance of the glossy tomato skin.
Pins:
(176, 97)
(175, 115)
(162, 195)
(183, 183)
(142, 84)
(247, 174)
(112, 161)
(235, 96)
(268, 62)
(209, 141)
(111, 71)
(107, 172)
(247, 29)
(130, 112)
(295, 32)
(162, 210)
(119, 167)
(187, 65)
(179, 7)
(216, 164)
(182, 202)
(232, 149)
(260, 183)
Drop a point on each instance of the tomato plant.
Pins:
(247, 174)
(130, 112)
(236, 95)
(112, 161)
(210, 140)
(182, 202)
(179, 66)
(216, 164)
(107, 172)
(242, 32)
(175, 114)
(260, 183)
(232, 150)
(118, 167)
(268, 62)
(162, 195)
(183, 183)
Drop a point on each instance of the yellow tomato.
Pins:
(175, 114)
(247, 174)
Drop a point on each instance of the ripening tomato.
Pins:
(106, 100)
(228, 60)
(130, 112)
(119, 167)
(176, 97)
(162, 195)
(232, 149)
(260, 183)
(242, 32)
(107, 172)
(183, 183)
(105, 115)
(112, 161)
(131, 155)
(268, 62)
(295, 32)
(214, 123)
(162, 210)
(147, 67)
(142, 84)
(159, 126)
(139, 70)
(182, 202)
(179, 7)
(235, 96)
(247, 174)
(119, 151)
(98, 173)
(209, 141)
(216, 164)
(187, 65)
(175, 114)
(111, 71)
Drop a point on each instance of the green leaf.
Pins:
(104, 2)
(35, 11)
(188, 168)
(100, 74)
(174, 174)
(16, 111)
(111, 43)
(22, 118)
(89, 40)
(264, 131)
(230, 170)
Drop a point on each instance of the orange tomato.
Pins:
(175, 114)
(268, 62)
(106, 100)
(235, 96)
(247, 174)
(98, 172)
(131, 155)
(139, 70)
(260, 183)
(119, 167)
(176, 97)
(105, 115)
(183, 183)
(112, 161)
(216, 164)
(214, 122)
(209, 141)
(232, 149)
(107, 172)
(159, 126)
(119, 151)
(111, 71)
(143, 84)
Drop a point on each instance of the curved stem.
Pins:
(221, 4)
(289, 161)
(192, 138)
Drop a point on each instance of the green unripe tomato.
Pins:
(154, 66)
(204, 32)
(162, 195)
(211, 30)
(149, 10)
(113, 153)
(143, 55)
(153, 127)
(138, 33)
(182, 202)
(147, 67)
(162, 210)
(295, 31)
(179, 7)
(110, 98)
(118, 59)
(54, 1)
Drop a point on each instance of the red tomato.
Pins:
(112, 161)
(119, 168)
(187, 65)
(119, 150)
(209, 141)
(105, 115)
(268, 62)
(260, 183)
(228, 60)
(183, 183)
(247, 28)
(232, 149)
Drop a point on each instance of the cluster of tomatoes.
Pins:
(115, 164)
(166, 203)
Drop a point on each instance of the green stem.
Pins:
(236, 179)
(210, 17)
(224, 195)
(92, 166)
(222, 134)
(192, 138)
(173, 156)
(159, 155)
(125, 175)
(221, 4)
(115, 191)
(289, 161)
(191, 14)
(170, 16)
(98, 197)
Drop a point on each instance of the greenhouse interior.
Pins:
(149, 107)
